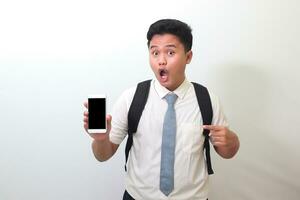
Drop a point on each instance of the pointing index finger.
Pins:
(211, 127)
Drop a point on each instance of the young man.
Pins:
(169, 44)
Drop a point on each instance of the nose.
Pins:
(162, 60)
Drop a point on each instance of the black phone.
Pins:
(97, 114)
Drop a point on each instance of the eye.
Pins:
(171, 53)
(155, 53)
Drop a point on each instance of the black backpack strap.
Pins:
(135, 112)
(204, 102)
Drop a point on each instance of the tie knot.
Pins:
(171, 98)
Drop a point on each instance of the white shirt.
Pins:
(143, 165)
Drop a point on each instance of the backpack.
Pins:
(138, 104)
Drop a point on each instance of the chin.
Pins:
(167, 85)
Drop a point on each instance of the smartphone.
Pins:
(97, 114)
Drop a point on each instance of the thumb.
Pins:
(108, 119)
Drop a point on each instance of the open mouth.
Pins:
(163, 73)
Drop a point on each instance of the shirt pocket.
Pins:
(192, 138)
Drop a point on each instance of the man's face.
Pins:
(168, 60)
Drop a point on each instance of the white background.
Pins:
(54, 53)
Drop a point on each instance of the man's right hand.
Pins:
(103, 149)
(96, 136)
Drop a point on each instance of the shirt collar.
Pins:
(180, 91)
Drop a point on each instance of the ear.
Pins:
(189, 56)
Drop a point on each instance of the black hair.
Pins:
(174, 27)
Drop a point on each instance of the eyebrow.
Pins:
(171, 45)
(168, 45)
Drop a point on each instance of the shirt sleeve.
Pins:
(119, 124)
(219, 117)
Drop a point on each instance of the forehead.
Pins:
(165, 40)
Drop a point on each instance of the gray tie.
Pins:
(168, 147)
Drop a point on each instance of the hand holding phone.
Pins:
(97, 114)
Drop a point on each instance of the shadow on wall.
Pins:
(250, 98)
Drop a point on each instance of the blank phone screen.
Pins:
(97, 112)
